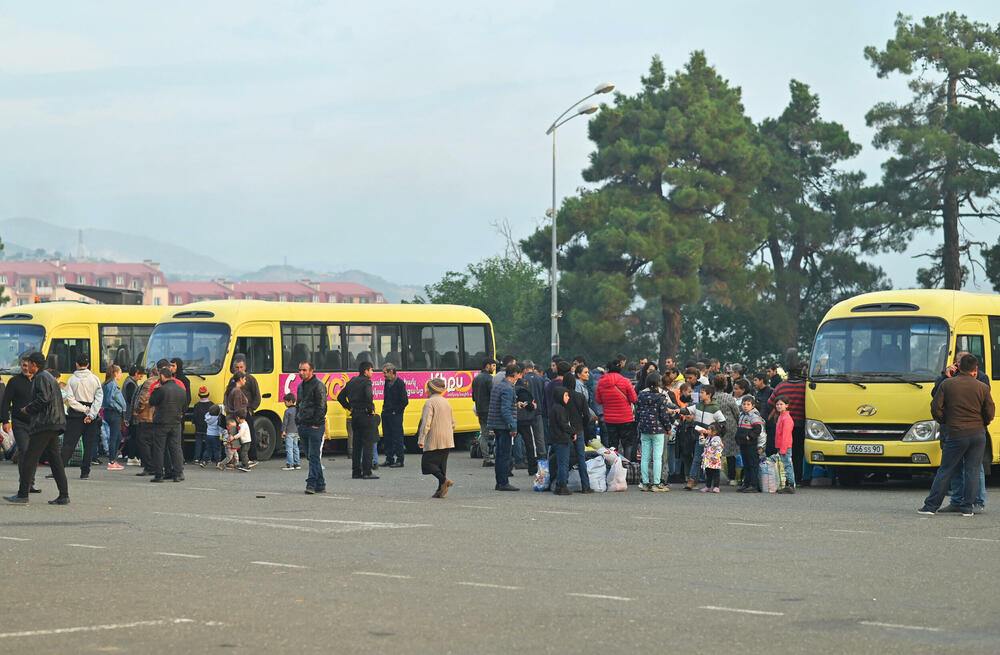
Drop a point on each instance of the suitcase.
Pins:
(633, 473)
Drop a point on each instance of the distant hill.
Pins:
(23, 235)
(393, 292)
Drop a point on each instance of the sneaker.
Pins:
(661, 487)
(968, 514)
(251, 464)
(297, 467)
(716, 490)
(786, 490)
(287, 468)
(588, 490)
(310, 491)
(689, 485)
(487, 464)
(132, 462)
(61, 500)
(950, 509)
(245, 469)
(505, 487)
(85, 476)
(202, 463)
(220, 466)
(926, 512)
(645, 487)
(705, 490)
(979, 509)
(733, 483)
(17, 500)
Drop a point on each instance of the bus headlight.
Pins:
(922, 431)
(816, 430)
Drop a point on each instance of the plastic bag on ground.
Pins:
(573, 480)
(542, 477)
(616, 476)
(597, 472)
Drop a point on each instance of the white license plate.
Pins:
(864, 449)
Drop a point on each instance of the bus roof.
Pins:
(923, 302)
(71, 311)
(234, 312)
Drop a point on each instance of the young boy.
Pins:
(243, 436)
(213, 435)
(750, 438)
(198, 414)
(231, 444)
(290, 432)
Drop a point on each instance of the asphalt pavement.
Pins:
(245, 562)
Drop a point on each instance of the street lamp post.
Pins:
(607, 87)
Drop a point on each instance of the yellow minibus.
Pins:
(874, 362)
(62, 330)
(421, 340)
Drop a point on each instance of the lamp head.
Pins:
(587, 109)
(606, 87)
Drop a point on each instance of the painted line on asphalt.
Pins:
(383, 575)
(180, 555)
(651, 518)
(896, 626)
(476, 507)
(855, 531)
(739, 610)
(333, 497)
(406, 502)
(279, 564)
(87, 546)
(552, 511)
(751, 525)
(599, 596)
(14, 539)
(97, 628)
(281, 523)
(269, 493)
(201, 489)
(374, 524)
(488, 586)
(974, 539)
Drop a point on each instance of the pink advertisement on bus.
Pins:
(459, 383)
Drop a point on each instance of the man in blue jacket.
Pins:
(502, 420)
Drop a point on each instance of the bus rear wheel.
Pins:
(267, 437)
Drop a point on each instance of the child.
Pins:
(290, 432)
(562, 434)
(705, 413)
(711, 459)
(213, 435)
(783, 442)
(232, 445)
(244, 438)
(198, 414)
(750, 438)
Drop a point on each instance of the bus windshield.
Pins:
(201, 346)
(910, 348)
(16, 339)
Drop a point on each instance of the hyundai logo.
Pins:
(867, 410)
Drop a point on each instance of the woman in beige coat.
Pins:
(436, 435)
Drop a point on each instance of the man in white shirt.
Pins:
(84, 397)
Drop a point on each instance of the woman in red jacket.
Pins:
(617, 395)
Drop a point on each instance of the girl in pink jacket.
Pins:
(783, 442)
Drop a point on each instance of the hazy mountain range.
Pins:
(31, 238)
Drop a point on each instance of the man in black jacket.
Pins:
(47, 422)
(252, 391)
(394, 402)
(482, 387)
(310, 415)
(357, 398)
(170, 401)
(16, 396)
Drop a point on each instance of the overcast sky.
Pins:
(383, 136)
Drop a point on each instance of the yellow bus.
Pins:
(62, 330)
(422, 341)
(875, 359)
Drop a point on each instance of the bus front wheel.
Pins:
(849, 477)
(267, 437)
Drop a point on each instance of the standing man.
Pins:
(536, 385)
(501, 370)
(502, 420)
(16, 396)
(357, 398)
(958, 480)
(84, 397)
(310, 415)
(252, 391)
(394, 402)
(965, 407)
(773, 379)
(169, 402)
(482, 386)
(47, 422)
(143, 417)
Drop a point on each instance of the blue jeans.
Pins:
(501, 461)
(562, 462)
(213, 448)
(673, 462)
(517, 452)
(958, 454)
(291, 450)
(200, 445)
(114, 422)
(314, 437)
(958, 488)
(786, 459)
(696, 471)
(581, 461)
(652, 454)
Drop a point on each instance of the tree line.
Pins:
(707, 233)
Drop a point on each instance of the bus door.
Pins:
(66, 343)
(969, 335)
(255, 341)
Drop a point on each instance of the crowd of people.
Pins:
(696, 425)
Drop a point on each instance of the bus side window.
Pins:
(259, 352)
(974, 344)
(63, 353)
